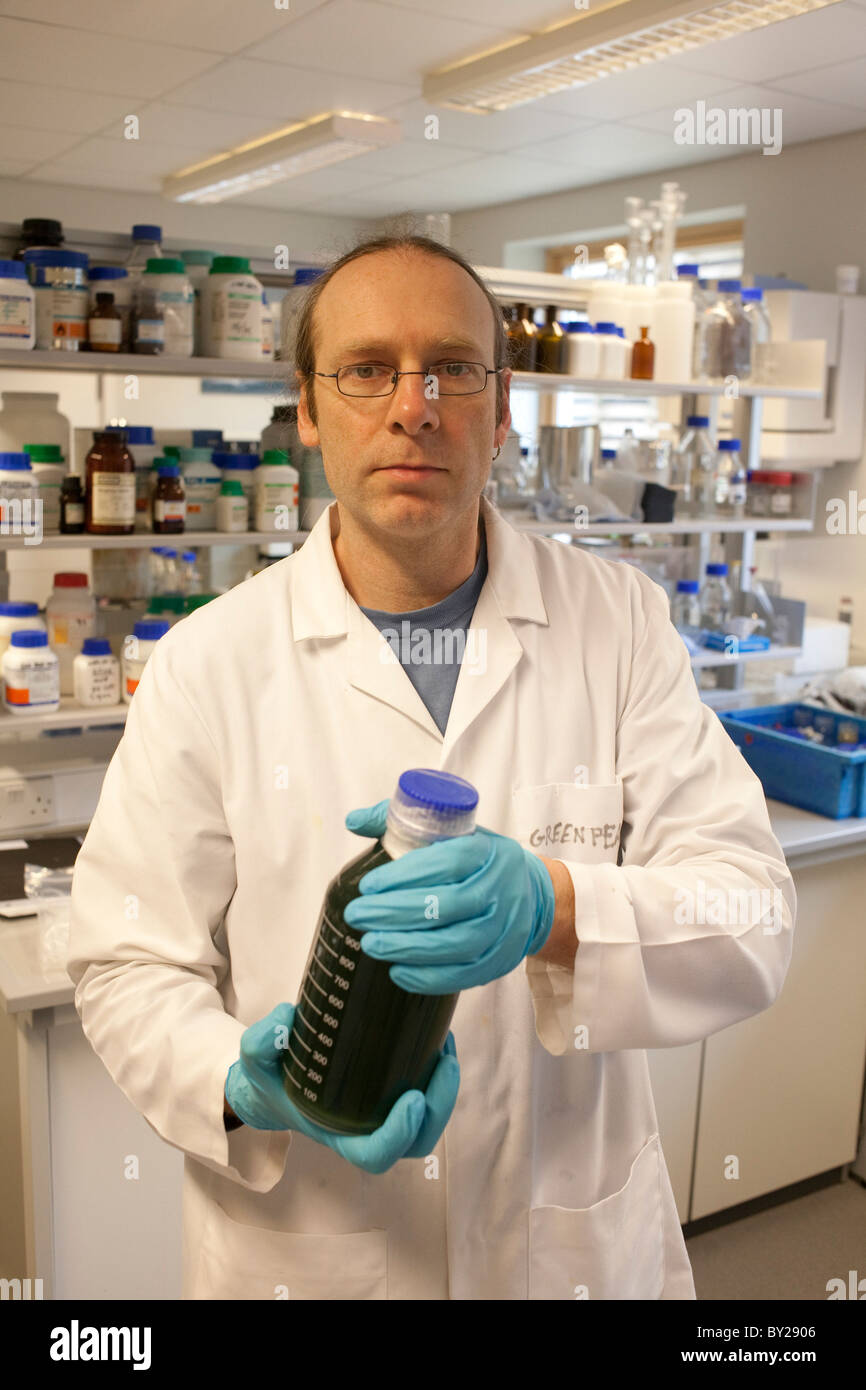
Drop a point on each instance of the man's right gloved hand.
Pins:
(254, 1090)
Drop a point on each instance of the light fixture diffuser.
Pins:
(288, 153)
(606, 39)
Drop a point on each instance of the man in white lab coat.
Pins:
(267, 716)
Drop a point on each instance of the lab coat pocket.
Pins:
(251, 1262)
(570, 820)
(612, 1250)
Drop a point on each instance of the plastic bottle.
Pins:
(349, 1061)
(19, 492)
(17, 307)
(33, 415)
(190, 579)
(716, 599)
(674, 330)
(70, 616)
(171, 571)
(49, 470)
(59, 280)
(175, 297)
(609, 351)
(267, 329)
(137, 647)
(232, 507)
(724, 339)
(583, 351)
(232, 311)
(694, 469)
(96, 674)
(276, 493)
(240, 468)
(31, 682)
(201, 479)
(755, 310)
(197, 265)
(626, 347)
(686, 607)
(18, 617)
(730, 484)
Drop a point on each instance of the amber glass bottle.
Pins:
(551, 344)
(110, 477)
(643, 357)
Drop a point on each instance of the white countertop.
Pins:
(805, 837)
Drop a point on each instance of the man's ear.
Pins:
(308, 432)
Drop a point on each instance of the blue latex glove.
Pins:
(494, 899)
(254, 1090)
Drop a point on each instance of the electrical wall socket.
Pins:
(25, 801)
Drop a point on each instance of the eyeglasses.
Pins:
(444, 379)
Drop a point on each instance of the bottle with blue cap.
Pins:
(96, 674)
(693, 469)
(137, 647)
(31, 674)
(730, 481)
(358, 1041)
(716, 598)
(724, 345)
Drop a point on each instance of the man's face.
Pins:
(408, 310)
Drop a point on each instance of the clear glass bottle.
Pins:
(146, 243)
(716, 599)
(686, 605)
(730, 485)
(359, 1041)
(755, 310)
(723, 346)
(693, 469)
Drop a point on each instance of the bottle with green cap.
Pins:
(232, 507)
(232, 311)
(197, 264)
(49, 468)
(276, 492)
(167, 276)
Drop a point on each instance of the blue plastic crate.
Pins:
(817, 777)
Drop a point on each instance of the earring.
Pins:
(498, 452)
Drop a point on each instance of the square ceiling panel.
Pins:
(792, 45)
(518, 16)
(34, 146)
(221, 26)
(286, 94)
(844, 83)
(497, 130)
(37, 107)
(209, 132)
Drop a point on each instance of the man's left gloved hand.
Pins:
(454, 914)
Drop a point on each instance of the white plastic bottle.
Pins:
(232, 311)
(232, 507)
(673, 331)
(18, 617)
(17, 307)
(33, 415)
(166, 275)
(19, 492)
(49, 470)
(267, 329)
(70, 616)
(96, 674)
(276, 493)
(137, 647)
(240, 468)
(201, 479)
(31, 681)
(609, 351)
(625, 351)
(197, 265)
(583, 351)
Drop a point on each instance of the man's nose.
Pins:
(414, 401)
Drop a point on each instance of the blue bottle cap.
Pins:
(146, 231)
(730, 286)
(729, 444)
(96, 646)
(14, 460)
(135, 434)
(717, 569)
(700, 422)
(687, 270)
(13, 270)
(753, 296)
(29, 638)
(150, 631)
(19, 610)
(107, 272)
(440, 791)
(605, 327)
(188, 555)
(687, 586)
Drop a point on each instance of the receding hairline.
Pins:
(407, 251)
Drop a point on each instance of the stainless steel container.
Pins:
(567, 456)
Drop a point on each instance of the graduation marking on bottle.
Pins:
(326, 1032)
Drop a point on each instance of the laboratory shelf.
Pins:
(684, 527)
(555, 381)
(713, 658)
(140, 364)
(141, 540)
(71, 715)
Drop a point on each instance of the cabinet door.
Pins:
(675, 1075)
(781, 1091)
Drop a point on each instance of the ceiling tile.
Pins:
(38, 107)
(791, 45)
(286, 94)
(500, 130)
(221, 26)
(97, 62)
(414, 158)
(518, 16)
(494, 179)
(34, 146)
(126, 180)
(843, 83)
(209, 132)
(641, 89)
(392, 40)
(122, 156)
(603, 145)
(14, 168)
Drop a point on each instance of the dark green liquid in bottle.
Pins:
(359, 1041)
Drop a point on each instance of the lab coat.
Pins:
(259, 722)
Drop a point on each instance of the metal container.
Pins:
(567, 456)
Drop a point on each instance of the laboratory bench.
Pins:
(92, 1195)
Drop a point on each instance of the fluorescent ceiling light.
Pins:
(608, 38)
(295, 150)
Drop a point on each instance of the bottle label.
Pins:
(113, 499)
(16, 316)
(33, 683)
(780, 503)
(170, 509)
(236, 315)
(74, 513)
(105, 331)
(150, 331)
(69, 631)
(96, 680)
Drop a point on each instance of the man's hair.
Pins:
(304, 347)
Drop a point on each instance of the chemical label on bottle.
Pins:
(736, 493)
(98, 682)
(105, 331)
(74, 513)
(36, 683)
(150, 331)
(780, 503)
(113, 499)
(171, 510)
(15, 316)
(237, 315)
(69, 631)
(69, 315)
